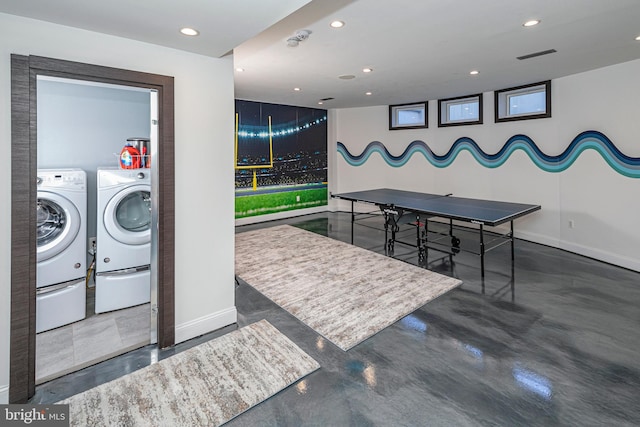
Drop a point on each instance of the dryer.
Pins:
(123, 238)
(61, 247)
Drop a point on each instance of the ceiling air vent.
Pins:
(533, 55)
(327, 99)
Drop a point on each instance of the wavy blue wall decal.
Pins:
(593, 140)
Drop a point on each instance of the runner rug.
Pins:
(343, 292)
(206, 385)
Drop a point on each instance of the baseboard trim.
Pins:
(596, 254)
(4, 394)
(600, 255)
(280, 215)
(209, 323)
(537, 238)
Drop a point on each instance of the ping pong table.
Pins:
(395, 204)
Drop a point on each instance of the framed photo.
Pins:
(409, 116)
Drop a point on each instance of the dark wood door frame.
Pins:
(24, 71)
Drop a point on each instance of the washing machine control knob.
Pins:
(38, 181)
(77, 265)
(107, 259)
(140, 175)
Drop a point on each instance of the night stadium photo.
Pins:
(280, 158)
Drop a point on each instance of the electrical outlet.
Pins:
(571, 223)
(92, 246)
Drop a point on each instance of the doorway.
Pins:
(24, 73)
(82, 128)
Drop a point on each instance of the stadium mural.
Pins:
(280, 158)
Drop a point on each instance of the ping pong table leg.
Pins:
(513, 270)
(419, 241)
(387, 244)
(394, 230)
(452, 241)
(426, 240)
(386, 237)
(482, 250)
(353, 219)
(513, 256)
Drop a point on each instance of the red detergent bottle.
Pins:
(142, 145)
(129, 157)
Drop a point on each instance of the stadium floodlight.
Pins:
(256, 166)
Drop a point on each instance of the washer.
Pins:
(61, 247)
(123, 237)
(123, 229)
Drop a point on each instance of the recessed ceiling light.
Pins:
(638, 38)
(367, 70)
(189, 31)
(474, 72)
(297, 89)
(239, 69)
(368, 93)
(319, 102)
(337, 24)
(531, 23)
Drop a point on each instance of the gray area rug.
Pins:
(343, 292)
(206, 385)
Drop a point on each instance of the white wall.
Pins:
(204, 109)
(603, 205)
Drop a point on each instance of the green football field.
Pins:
(261, 204)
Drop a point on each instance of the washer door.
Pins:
(57, 224)
(127, 217)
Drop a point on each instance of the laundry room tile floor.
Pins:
(90, 341)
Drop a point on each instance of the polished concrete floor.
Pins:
(553, 342)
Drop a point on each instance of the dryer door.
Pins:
(127, 217)
(57, 224)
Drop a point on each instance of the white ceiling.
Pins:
(223, 24)
(419, 49)
(424, 49)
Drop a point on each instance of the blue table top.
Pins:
(489, 212)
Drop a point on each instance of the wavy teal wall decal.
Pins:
(588, 140)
